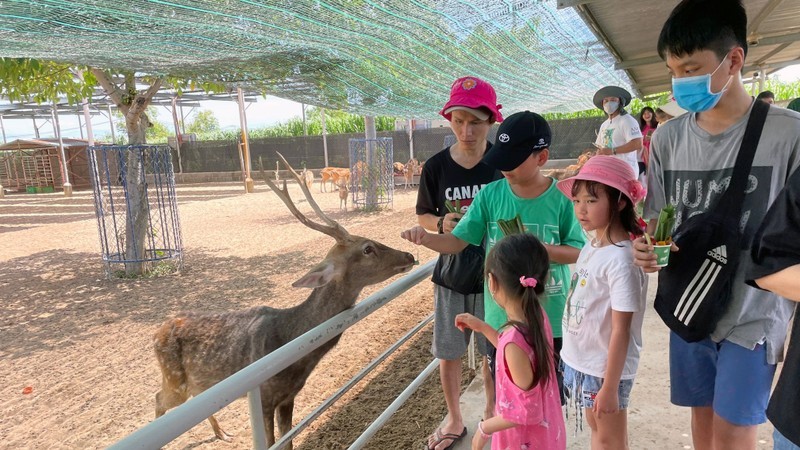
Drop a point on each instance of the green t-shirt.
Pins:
(550, 217)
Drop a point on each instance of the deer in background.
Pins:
(307, 178)
(196, 351)
(343, 191)
(326, 175)
(409, 171)
(341, 175)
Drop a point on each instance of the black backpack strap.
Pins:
(734, 195)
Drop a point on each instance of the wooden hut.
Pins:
(35, 165)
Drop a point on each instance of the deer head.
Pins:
(355, 260)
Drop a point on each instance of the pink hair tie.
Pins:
(528, 282)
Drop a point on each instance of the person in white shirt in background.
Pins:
(619, 135)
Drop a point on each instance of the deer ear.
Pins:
(320, 275)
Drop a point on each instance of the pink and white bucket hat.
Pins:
(610, 171)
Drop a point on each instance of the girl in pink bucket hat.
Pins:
(602, 322)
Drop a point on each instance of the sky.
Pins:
(266, 111)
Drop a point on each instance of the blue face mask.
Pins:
(694, 93)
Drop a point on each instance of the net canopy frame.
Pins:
(367, 57)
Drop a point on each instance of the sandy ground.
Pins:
(82, 343)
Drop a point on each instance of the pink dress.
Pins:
(537, 411)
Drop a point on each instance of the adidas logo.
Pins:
(720, 254)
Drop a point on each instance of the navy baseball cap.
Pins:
(520, 135)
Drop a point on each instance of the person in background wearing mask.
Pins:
(726, 378)
(619, 135)
(766, 96)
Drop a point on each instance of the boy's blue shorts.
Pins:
(731, 379)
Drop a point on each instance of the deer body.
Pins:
(308, 178)
(196, 351)
(409, 170)
(343, 192)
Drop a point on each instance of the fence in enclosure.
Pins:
(570, 138)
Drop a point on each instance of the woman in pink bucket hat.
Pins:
(603, 317)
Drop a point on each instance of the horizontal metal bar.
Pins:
(396, 404)
(284, 440)
(166, 428)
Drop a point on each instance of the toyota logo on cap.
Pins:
(504, 138)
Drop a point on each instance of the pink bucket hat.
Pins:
(608, 170)
(471, 94)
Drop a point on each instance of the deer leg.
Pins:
(221, 435)
(268, 411)
(284, 416)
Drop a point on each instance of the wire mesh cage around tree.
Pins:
(136, 208)
(371, 172)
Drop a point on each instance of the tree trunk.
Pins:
(133, 104)
(136, 229)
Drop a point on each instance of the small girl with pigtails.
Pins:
(605, 308)
(528, 406)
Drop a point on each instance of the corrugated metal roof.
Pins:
(630, 31)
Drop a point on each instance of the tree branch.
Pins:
(111, 89)
(142, 100)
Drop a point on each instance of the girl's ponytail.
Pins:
(542, 348)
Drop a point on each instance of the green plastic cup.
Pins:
(662, 254)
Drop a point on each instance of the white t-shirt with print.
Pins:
(617, 132)
(605, 278)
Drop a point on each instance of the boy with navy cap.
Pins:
(520, 150)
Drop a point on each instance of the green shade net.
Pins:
(368, 57)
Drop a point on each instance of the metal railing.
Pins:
(247, 381)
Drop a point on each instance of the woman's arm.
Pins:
(631, 146)
(607, 400)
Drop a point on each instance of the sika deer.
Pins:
(196, 351)
(409, 171)
(343, 191)
(308, 178)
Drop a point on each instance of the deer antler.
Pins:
(332, 229)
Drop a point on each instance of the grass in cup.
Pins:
(663, 235)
